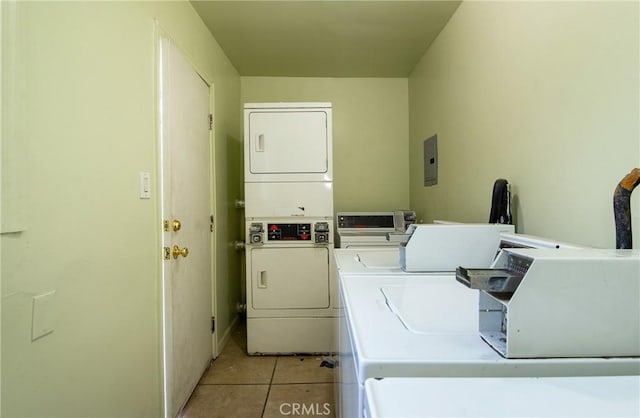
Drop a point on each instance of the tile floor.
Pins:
(241, 386)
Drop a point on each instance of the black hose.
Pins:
(500, 203)
(622, 209)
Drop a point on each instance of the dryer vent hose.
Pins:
(622, 209)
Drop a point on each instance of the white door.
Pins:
(186, 211)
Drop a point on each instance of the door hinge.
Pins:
(211, 223)
(213, 324)
(210, 121)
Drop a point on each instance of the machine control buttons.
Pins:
(289, 232)
(275, 235)
(322, 227)
(322, 232)
(255, 233)
(265, 232)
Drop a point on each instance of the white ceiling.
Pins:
(308, 38)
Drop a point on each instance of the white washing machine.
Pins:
(369, 270)
(513, 397)
(370, 229)
(370, 264)
(427, 326)
(386, 260)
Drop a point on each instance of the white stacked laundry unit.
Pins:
(291, 288)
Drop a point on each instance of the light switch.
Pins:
(145, 185)
(42, 315)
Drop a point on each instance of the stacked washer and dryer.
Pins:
(289, 228)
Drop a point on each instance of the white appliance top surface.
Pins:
(279, 105)
(604, 396)
(385, 347)
(368, 261)
(453, 311)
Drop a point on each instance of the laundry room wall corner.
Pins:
(555, 112)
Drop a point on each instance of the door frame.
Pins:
(162, 203)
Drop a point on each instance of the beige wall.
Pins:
(545, 94)
(370, 130)
(83, 119)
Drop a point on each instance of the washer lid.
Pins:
(377, 260)
(439, 307)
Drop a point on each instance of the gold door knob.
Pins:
(176, 225)
(179, 251)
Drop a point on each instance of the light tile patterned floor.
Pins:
(241, 386)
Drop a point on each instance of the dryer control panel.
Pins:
(289, 232)
(276, 232)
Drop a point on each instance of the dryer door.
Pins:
(288, 145)
(289, 278)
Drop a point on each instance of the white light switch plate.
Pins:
(145, 185)
(42, 319)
